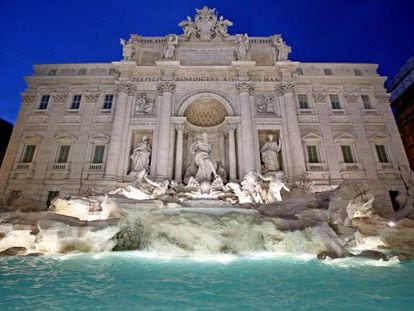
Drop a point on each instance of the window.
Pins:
(76, 101)
(299, 71)
(28, 153)
(366, 102)
(347, 154)
(358, 72)
(44, 101)
(108, 101)
(382, 153)
(328, 72)
(82, 72)
(335, 101)
(63, 154)
(98, 154)
(303, 101)
(312, 154)
(52, 72)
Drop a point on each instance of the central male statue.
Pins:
(206, 166)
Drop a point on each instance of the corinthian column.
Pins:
(165, 90)
(231, 127)
(179, 152)
(286, 89)
(124, 89)
(247, 128)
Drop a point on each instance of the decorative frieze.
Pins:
(351, 98)
(144, 105)
(126, 87)
(382, 97)
(245, 87)
(319, 97)
(92, 97)
(60, 97)
(166, 86)
(28, 97)
(265, 103)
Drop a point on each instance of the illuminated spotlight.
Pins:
(391, 224)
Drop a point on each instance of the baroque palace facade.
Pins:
(80, 123)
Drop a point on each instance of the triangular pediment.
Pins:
(100, 138)
(65, 136)
(312, 136)
(379, 137)
(345, 136)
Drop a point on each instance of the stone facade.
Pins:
(79, 123)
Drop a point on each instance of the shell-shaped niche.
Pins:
(205, 112)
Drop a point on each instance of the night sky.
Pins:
(72, 31)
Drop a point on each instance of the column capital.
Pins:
(180, 127)
(284, 87)
(245, 87)
(232, 126)
(126, 87)
(166, 86)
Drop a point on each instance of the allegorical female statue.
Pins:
(141, 156)
(269, 154)
(204, 161)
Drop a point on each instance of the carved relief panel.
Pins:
(144, 104)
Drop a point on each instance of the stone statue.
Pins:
(269, 153)
(169, 47)
(243, 45)
(144, 106)
(189, 28)
(275, 186)
(283, 50)
(405, 199)
(206, 166)
(206, 26)
(221, 26)
(242, 195)
(128, 49)
(251, 184)
(141, 156)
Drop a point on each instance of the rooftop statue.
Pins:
(169, 47)
(206, 26)
(282, 49)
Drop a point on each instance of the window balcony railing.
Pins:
(305, 111)
(23, 166)
(340, 112)
(384, 166)
(63, 167)
(349, 167)
(96, 167)
(316, 167)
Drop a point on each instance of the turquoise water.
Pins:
(150, 281)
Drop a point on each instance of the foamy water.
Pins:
(164, 281)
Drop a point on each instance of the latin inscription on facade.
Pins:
(206, 56)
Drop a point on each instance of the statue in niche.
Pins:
(222, 25)
(269, 153)
(140, 160)
(243, 45)
(276, 185)
(169, 47)
(144, 106)
(206, 166)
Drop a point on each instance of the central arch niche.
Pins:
(205, 112)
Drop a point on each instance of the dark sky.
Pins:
(73, 31)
